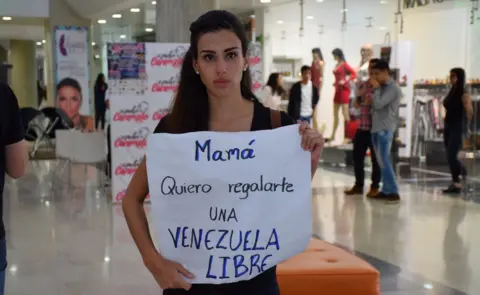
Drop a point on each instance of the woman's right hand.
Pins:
(169, 274)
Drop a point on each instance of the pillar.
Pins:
(61, 14)
(175, 16)
(23, 75)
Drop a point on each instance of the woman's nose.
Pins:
(221, 66)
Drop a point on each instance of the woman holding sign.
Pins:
(214, 95)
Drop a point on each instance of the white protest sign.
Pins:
(229, 206)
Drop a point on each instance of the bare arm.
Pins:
(16, 159)
(132, 206)
(467, 104)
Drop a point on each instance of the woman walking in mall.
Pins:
(273, 91)
(214, 94)
(459, 111)
(100, 105)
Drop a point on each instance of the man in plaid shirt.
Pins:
(363, 141)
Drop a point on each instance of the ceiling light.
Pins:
(123, 36)
(97, 56)
(43, 41)
(117, 15)
(344, 10)
(319, 1)
(382, 28)
(135, 9)
(149, 30)
(154, 2)
(93, 43)
(265, 1)
(39, 43)
(279, 22)
(7, 18)
(383, 2)
(102, 21)
(252, 15)
(310, 17)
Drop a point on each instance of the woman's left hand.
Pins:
(312, 141)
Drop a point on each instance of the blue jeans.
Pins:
(306, 119)
(382, 143)
(3, 265)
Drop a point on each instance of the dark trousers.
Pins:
(100, 118)
(453, 140)
(361, 142)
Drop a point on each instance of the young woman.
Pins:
(344, 74)
(458, 105)
(100, 104)
(70, 99)
(273, 91)
(215, 95)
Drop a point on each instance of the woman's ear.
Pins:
(195, 66)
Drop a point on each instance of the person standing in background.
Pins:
(318, 66)
(363, 140)
(13, 158)
(458, 105)
(100, 105)
(273, 92)
(385, 104)
(303, 97)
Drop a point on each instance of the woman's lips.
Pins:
(221, 83)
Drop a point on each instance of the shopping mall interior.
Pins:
(66, 230)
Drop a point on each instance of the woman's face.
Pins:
(220, 62)
(69, 100)
(336, 58)
(453, 78)
(280, 80)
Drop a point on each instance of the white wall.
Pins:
(441, 33)
(25, 8)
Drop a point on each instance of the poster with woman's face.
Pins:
(69, 99)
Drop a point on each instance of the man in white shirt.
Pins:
(303, 97)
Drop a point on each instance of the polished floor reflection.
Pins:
(66, 238)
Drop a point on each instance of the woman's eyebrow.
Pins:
(226, 50)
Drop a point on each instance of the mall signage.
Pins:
(420, 3)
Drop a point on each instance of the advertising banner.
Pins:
(72, 70)
(143, 79)
(224, 206)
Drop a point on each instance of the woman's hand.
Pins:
(168, 274)
(312, 141)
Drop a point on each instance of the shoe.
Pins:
(373, 192)
(355, 190)
(452, 189)
(393, 198)
(379, 196)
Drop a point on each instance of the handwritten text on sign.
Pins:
(230, 206)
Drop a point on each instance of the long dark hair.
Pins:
(458, 90)
(273, 83)
(339, 53)
(318, 52)
(190, 107)
(100, 80)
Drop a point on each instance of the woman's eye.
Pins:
(208, 57)
(231, 55)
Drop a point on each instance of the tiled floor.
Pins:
(65, 238)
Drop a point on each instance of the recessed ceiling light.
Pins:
(149, 30)
(102, 21)
(117, 15)
(383, 2)
(319, 1)
(7, 18)
(252, 15)
(39, 43)
(97, 56)
(279, 22)
(93, 43)
(382, 28)
(43, 41)
(123, 36)
(154, 2)
(310, 17)
(265, 1)
(344, 10)
(135, 9)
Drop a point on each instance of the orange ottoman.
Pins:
(327, 270)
